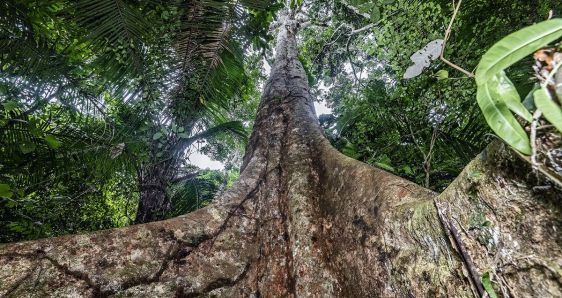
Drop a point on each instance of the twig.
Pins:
(364, 28)
(465, 257)
(372, 25)
(553, 177)
(329, 44)
(350, 60)
(550, 78)
(447, 34)
(349, 34)
(536, 116)
(427, 161)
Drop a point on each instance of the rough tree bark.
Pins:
(304, 220)
(154, 202)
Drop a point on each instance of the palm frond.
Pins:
(117, 30)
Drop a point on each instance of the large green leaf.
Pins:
(516, 46)
(548, 107)
(507, 92)
(500, 119)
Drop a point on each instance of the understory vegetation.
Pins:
(102, 102)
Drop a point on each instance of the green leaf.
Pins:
(487, 284)
(475, 175)
(442, 74)
(516, 46)
(549, 108)
(183, 135)
(375, 14)
(157, 136)
(350, 150)
(53, 142)
(5, 191)
(500, 119)
(507, 92)
(385, 163)
(384, 166)
(408, 170)
(10, 106)
(27, 148)
(296, 3)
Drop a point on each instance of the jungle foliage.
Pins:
(97, 94)
(103, 101)
(428, 127)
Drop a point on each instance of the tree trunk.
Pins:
(154, 202)
(304, 220)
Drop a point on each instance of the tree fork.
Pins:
(304, 220)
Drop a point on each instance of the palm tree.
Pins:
(118, 88)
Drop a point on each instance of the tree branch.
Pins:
(185, 177)
(458, 242)
(355, 9)
(447, 34)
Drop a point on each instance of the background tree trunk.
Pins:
(304, 220)
(154, 202)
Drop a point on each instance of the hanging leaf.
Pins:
(549, 108)
(500, 119)
(487, 284)
(5, 191)
(508, 93)
(515, 47)
(52, 141)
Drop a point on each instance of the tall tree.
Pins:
(305, 220)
